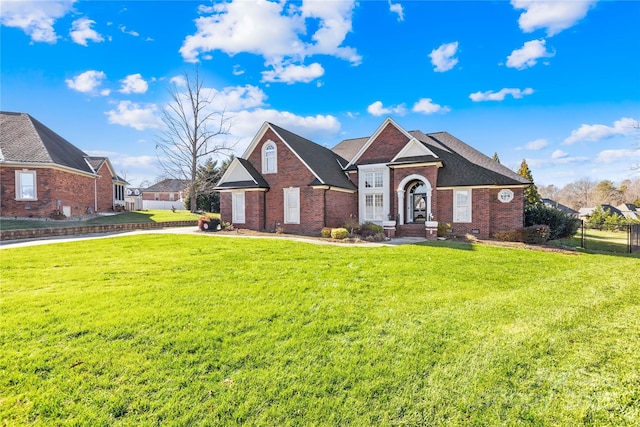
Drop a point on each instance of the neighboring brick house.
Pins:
(166, 194)
(42, 174)
(405, 181)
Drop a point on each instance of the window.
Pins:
(172, 197)
(373, 207)
(292, 205)
(269, 163)
(373, 179)
(156, 196)
(237, 200)
(462, 205)
(26, 185)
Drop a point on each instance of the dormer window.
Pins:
(269, 158)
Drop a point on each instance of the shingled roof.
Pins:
(256, 181)
(462, 165)
(23, 139)
(168, 186)
(324, 163)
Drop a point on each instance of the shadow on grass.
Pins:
(119, 218)
(452, 244)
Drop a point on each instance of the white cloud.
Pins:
(179, 81)
(592, 133)
(87, 82)
(135, 116)
(397, 9)
(130, 32)
(315, 128)
(528, 55)
(443, 57)
(81, 31)
(237, 70)
(555, 16)
(277, 31)
(610, 156)
(559, 154)
(134, 83)
(35, 18)
(293, 73)
(499, 96)
(536, 144)
(376, 109)
(426, 106)
(235, 98)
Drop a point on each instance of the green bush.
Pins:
(561, 225)
(339, 233)
(443, 229)
(369, 229)
(325, 232)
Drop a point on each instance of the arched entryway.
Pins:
(414, 200)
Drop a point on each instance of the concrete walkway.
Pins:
(8, 244)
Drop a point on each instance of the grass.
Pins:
(206, 330)
(118, 218)
(598, 241)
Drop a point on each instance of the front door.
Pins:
(419, 207)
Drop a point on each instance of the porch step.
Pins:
(410, 230)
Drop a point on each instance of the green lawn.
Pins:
(118, 218)
(598, 241)
(206, 330)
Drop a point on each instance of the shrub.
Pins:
(369, 229)
(443, 229)
(537, 234)
(508, 236)
(352, 225)
(325, 232)
(560, 224)
(379, 237)
(339, 233)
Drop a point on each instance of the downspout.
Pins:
(264, 210)
(95, 195)
(324, 202)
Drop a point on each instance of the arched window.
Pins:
(269, 158)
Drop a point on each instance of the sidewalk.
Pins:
(8, 244)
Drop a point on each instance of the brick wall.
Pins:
(340, 207)
(507, 216)
(104, 185)
(74, 190)
(397, 175)
(388, 143)
(163, 196)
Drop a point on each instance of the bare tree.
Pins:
(193, 131)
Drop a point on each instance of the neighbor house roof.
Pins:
(168, 186)
(23, 139)
(327, 165)
(566, 209)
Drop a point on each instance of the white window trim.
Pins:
(267, 144)
(19, 174)
(375, 216)
(457, 217)
(237, 200)
(288, 217)
(364, 191)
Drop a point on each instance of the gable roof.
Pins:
(559, 206)
(241, 175)
(325, 164)
(23, 139)
(462, 165)
(168, 186)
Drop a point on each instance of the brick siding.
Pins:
(74, 190)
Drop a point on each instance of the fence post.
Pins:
(583, 239)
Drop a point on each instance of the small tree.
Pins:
(192, 132)
(531, 195)
(495, 157)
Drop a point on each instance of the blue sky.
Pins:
(554, 82)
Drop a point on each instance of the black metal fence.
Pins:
(610, 237)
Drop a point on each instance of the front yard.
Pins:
(204, 330)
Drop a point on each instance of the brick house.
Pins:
(42, 174)
(406, 181)
(166, 194)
